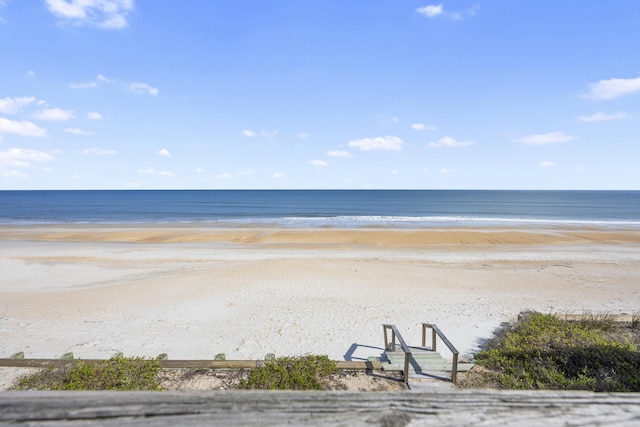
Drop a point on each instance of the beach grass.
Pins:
(291, 373)
(542, 351)
(118, 373)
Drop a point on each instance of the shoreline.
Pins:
(379, 235)
(195, 292)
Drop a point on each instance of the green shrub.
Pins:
(545, 352)
(118, 373)
(291, 373)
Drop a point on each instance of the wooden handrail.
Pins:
(436, 332)
(403, 345)
(175, 364)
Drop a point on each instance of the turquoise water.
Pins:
(318, 208)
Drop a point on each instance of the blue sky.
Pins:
(148, 94)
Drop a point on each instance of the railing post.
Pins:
(434, 335)
(386, 341)
(406, 368)
(424, 335)
(393, 340)
(454, 368)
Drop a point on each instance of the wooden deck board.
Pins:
(241, 408)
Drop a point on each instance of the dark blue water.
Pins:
(316, 208)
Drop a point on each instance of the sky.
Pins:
(330, 94)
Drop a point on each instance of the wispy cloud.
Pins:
(109, 14)
(142, 88)
(99, 152)
(271, 134)
(545, 138)
(55, 115)
(22, 128)
(224, 176)
(431, 10)
(421, 126)
(303, 135)
(163, 152)
(548, 164)
(434, 10)
(278, 175)
(248, 133)
(85, 85)
(151, 171)
(135, 87)
(78, 131)
(447, 141)
(600, 116)
(20, 158)
(613, 88)
(94, 116)
(339, 153)
(14, 105)
(386, 143)
(318, 163)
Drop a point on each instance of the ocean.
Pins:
(324, 208)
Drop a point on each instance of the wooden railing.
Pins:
(436, 332)
(403, 345)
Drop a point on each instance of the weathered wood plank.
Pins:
(240, 408)
(196, 364)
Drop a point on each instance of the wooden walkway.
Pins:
(272, 408)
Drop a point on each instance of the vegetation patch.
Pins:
(292, 373)
(117, 373)
(545, 352)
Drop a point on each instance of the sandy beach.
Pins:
(193, 292)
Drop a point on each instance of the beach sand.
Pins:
(193, 292)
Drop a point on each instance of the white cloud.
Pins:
(303, 135)
(152, 171)
(448, 170)
(94, 116)
(199, 170)
(613, 88)
(339, 153)
(83, 85)
(278, 175)
(109, 14)
(271, 134)
(14, 105)
(55, 115)
(545, 138)
(249, 133)
(30, 73)
(318, 163)
(12, 173)
(22, 157)
(547, 164)
(387, 143)
(143, 88)
(99, 152)
(163, 152)
(420, 126)
(224, 176)
(245, 172)
(447, 141)
(103, 78)
(431, 10)
(600, 116)
(23, 128)
(78, 131)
